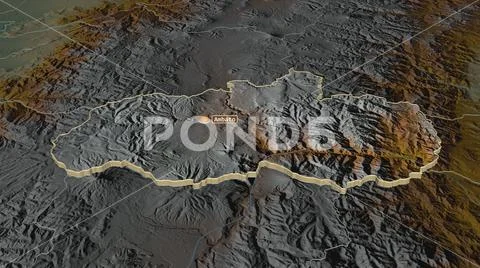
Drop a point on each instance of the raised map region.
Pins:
(341, 141)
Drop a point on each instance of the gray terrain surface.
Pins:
(119, 218)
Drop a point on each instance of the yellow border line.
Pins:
(250, 174)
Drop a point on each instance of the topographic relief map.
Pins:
(241, 133)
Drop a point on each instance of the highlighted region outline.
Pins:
(262, 164)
